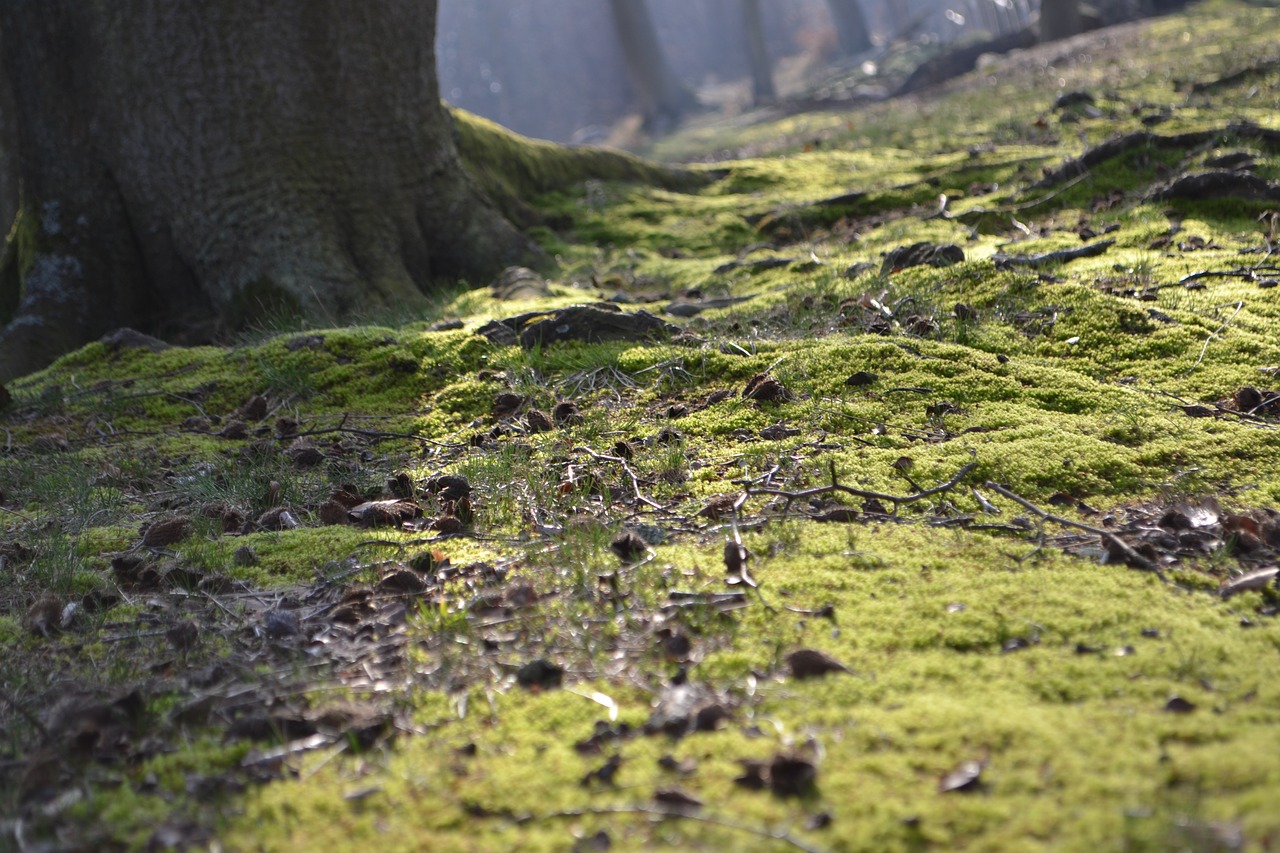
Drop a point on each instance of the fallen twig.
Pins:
(635, 481)
(1204, 349)
(1131, 556)
(896, 500)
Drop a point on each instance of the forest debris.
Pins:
(792, 775)
(813, 663)
(1252, 581)
(384, 513)
(540, 674)
(676, 799)
(589, 323)
(966, 777)
(764, 388)
(1003, 261)
(166, 532)
(919, 254)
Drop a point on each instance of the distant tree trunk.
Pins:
(188, 167)
(663, 98)
(851, 26)
(1059, 19)
(761, 68)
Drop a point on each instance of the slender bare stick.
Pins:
(1133, 557)
(896, 500)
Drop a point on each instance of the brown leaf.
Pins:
(401, 581)
(538, 421)
(183, 635)
(628, 545)
(718, 507)
(43, 617)
(449, 487)
(791, 775)
(384, 513)
(278, 518)
(765, 389)
(253, 409)
(540, 674)
(677, 800)
(812, 663)
(566, 413)
(332, 512)
(166, 532)
(507, 404)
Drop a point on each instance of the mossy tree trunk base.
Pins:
(188, 167)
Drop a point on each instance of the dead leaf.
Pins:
(279, 518)
(812, 663)
(628, 545)
(566, 413)
(540, 674)
(677, 800)
(384, 513)
(507, 404)
(44, 617)
(166, 532)
(765, 389)
(253, 409)
(792, 775)
(538, 421)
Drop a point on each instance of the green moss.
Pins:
(970, 635)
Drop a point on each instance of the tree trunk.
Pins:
(663, 98)
(851, 26)
(1059, 19)
(762, 90)
(188, 167)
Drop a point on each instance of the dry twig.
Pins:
(1131, 556)
(836, 486)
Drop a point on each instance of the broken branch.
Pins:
(1131, 556)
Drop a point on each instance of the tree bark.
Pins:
(187, 167)
(663, 98)
(851, 26)
(1059, 19)
(762, 90)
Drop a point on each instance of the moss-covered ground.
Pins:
(1010, 502)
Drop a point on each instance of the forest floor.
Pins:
(920, 494)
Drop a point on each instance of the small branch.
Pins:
(635, 481)
(1131, 556)
(1204, 349)
(680, 814)
(896, 500)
